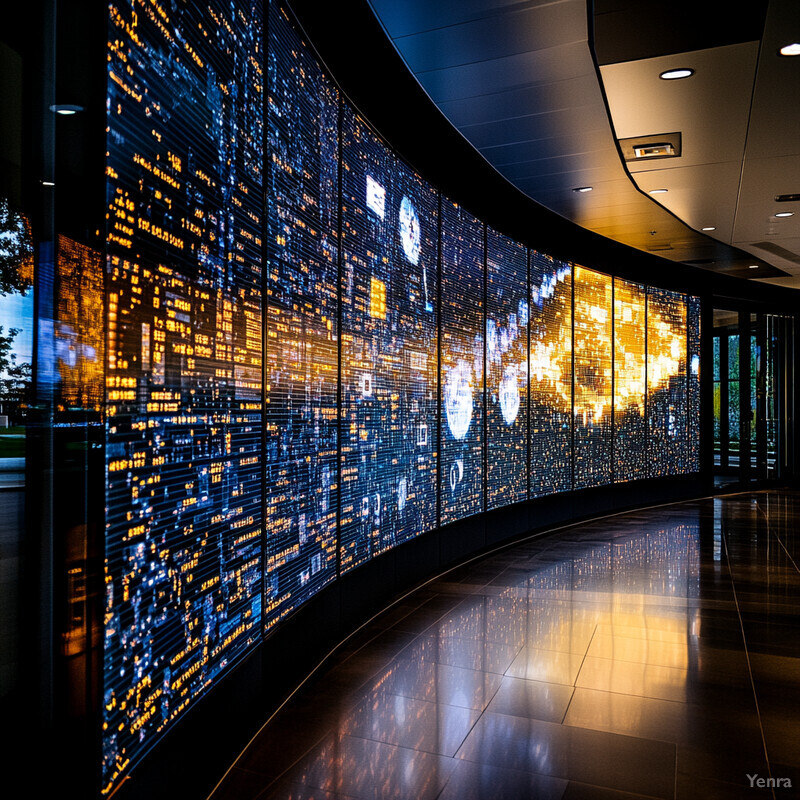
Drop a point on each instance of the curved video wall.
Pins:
(314, 356)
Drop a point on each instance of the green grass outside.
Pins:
(12, 442)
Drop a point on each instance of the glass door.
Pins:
(753, 396)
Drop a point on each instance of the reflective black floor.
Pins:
(650, 654)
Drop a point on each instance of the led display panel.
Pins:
(399, 340)
(593, 378)
(693, 390)
(461, 363)
(389, 348)
(550, 369)
(630, 381)
(183, 386)
(507, 316)
(302, 348)
(666, 381)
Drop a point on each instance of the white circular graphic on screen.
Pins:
(402, 493)
(458, 398)
(491, 338)
(523, 312)
(456, 473)
(509, 395)
(409, 230)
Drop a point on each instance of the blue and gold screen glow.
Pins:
(507, 316)
(389, 291)
(302, 312)
(550, 332)
(313, 356)
(461, 364)
(592, 378)
(630, 380)
(667, 401)
(184, 361)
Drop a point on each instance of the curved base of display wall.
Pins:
(195, 754)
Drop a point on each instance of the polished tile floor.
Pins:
(650, 654)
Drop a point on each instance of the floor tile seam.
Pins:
(622, 792)
(471, 669)
(436, 621)
(747, 657)
(382, 665)
(400, 746)
(340, 735)
(360, 651)
(605, 598)
(517, 772)
(672, 746)
(547, 532)
(477, 720)
(690, 639)
(691, 704)
(695, 684)
(552, 650)
(513, 769)
(770, 530)
(316, 669)
(578, 673)
(643, 663)
(676, 741)
(478, 639)
(280, 776)
(388, 692)
(675, 781)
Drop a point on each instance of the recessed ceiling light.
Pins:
(785, 214)
(753, 266)
(48, 183)
(583, 189)
(659, 191)
(709, 228)
(676, 74)
(792, 49)
(65, 109)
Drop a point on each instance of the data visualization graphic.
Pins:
(630, 380)
(183, 382)
(391, 365)
(666, 382)
(693, 432)
(592, 378)
(389, 288)
(301, 415)
(550, 360)
(461, 363)
(507, 318)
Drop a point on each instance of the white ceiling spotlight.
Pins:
(785, 214)
(709, 228)
(676, 74)
(658, 191)
(583, 189)
(66, 109)
(792, 49)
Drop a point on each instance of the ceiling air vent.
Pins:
(650, 148)
(786, 198)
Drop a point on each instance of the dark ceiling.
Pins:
(544, 89)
